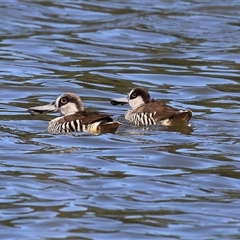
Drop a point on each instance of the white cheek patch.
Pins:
(68, 109)
(136, 102)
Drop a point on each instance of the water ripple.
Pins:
(142, 182)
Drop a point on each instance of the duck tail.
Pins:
(109, 127)
(101, 127)
(181, 118)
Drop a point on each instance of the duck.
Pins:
(146, 111)
(74, 118)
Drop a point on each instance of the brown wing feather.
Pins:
(162, 110)
(87, 117)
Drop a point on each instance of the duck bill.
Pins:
(117, 101)
(41, 109)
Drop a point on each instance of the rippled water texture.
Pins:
(140, 183)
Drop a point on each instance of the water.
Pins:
(140, 183)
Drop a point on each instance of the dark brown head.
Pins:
(136, 98)
(66, 104)
(69, 103)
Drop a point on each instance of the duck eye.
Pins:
(63, 100)
(134, 95)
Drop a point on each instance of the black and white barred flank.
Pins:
(140, 119)
(66, 127)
